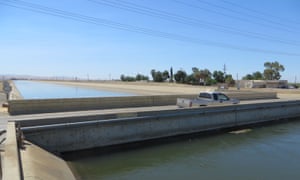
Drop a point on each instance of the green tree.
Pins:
(195, 78)
(153, 73)
(165, 75)
(127, 78)
(171, 75)
(258, 75)
(190, 79)
(272, 70)
(180, 76)
(229, 79)
(248, 77)
(122, 77)
(158, 76)
(201, 76)
(205, 76)
(254, 76)
(140, 77)
(219, 76)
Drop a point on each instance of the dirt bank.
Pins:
(140, 88)
(150, 88)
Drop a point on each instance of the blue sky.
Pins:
(91, 42)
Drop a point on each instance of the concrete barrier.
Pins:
(17, 107)
(145, 126)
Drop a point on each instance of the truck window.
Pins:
(205, 95)
(223, 97)
(215, 97)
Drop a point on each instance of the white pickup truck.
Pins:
(206, 98)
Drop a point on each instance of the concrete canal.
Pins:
(269, 152)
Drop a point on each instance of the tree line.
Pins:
(206, 77)
(271, 72)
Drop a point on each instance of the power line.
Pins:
(116, 25)
(279, 24)
(259, 12)
(131, 7)
(239, 18)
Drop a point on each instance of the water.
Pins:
(271, 152)
(39, 90)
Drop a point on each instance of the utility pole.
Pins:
(224, 69)
(237, 82)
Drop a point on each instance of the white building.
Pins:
(263, 83)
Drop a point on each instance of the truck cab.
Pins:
(213, 96)
(205, 99)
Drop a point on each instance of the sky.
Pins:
(102, 39)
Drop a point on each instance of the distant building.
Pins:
(263, 84)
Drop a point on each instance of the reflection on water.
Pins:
(271, 152)
(39, 90)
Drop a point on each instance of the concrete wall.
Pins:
(30, 162)
(263, 83)
(76, 104)
(100, 133)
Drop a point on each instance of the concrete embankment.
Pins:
(145, 125)
(17, 107)
(15, 93)
(24, 161)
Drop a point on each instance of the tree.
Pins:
(140, 77)
(127, 78)
(165, 75)
(205, 76)
(229, 79)
(248, 77)
(254, 76)
(157, 76)
(201, 76)
(180, 76)
(171, 75)
(258, 75)
(195, 78)
(153, 73)
(190, 79)
(272, 70)
(219, 76)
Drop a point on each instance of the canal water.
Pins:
(269, 152)
(42, 90)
